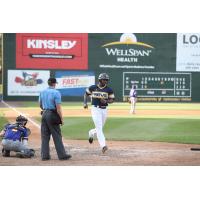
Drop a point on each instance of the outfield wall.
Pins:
(163, 66)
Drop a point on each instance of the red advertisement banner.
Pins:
(52, 51)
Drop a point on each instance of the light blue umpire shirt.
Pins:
(49, 98)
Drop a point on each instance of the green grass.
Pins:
(140, 106)
(3, 121)
(164, 128)
(146, 129)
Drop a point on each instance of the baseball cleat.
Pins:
(90, 140)
(5, 153)
(104, 149)
(20, 155)
(27, 153)
(45, 159)
(67, 157)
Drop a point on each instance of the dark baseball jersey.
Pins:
(98, 93)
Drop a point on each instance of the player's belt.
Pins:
(102, 107)
(52, 110)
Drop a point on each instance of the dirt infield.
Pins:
(119, 153)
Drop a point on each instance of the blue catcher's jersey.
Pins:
(15, 132)
(98, 93)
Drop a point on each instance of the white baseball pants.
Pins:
(133, 102)
(99, 118)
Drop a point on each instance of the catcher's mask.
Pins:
(21, 120)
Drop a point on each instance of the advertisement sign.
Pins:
(132, 51)
(74, 83)
(188, 53)
(26, 82)
(127, 52)
(52, 51)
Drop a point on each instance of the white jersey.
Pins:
(133, 93)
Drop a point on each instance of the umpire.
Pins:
(50, 103)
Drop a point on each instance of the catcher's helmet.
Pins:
(103, 76)
(21, 120)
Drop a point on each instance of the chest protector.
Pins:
(14, 132)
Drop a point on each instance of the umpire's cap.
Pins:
(103, 76)
(52, 80)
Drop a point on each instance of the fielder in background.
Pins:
(133, 99)
(50, 103)
(15, 138)
(101, 95)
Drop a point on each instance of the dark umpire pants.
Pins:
(50, 127)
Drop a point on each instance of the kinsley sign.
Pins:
(52, 51)
(50, 44)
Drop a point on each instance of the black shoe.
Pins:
(104, 149)
(67, 157)
(5, 153)
(90, 140)
(26, 153)
(45, 159)
(20, 155)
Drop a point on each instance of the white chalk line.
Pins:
(20, 113)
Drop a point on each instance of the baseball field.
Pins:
(158, 134)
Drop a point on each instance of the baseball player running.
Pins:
(101, 95)
(133, 99)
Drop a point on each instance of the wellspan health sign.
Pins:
(130, 51)
(52, 51)
(127, 52)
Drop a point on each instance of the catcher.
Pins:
(15, 138)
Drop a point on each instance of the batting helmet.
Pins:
(103, 76)
(21, 120)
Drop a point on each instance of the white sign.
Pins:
(27, 82)
(76, 81)
(188, 52)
